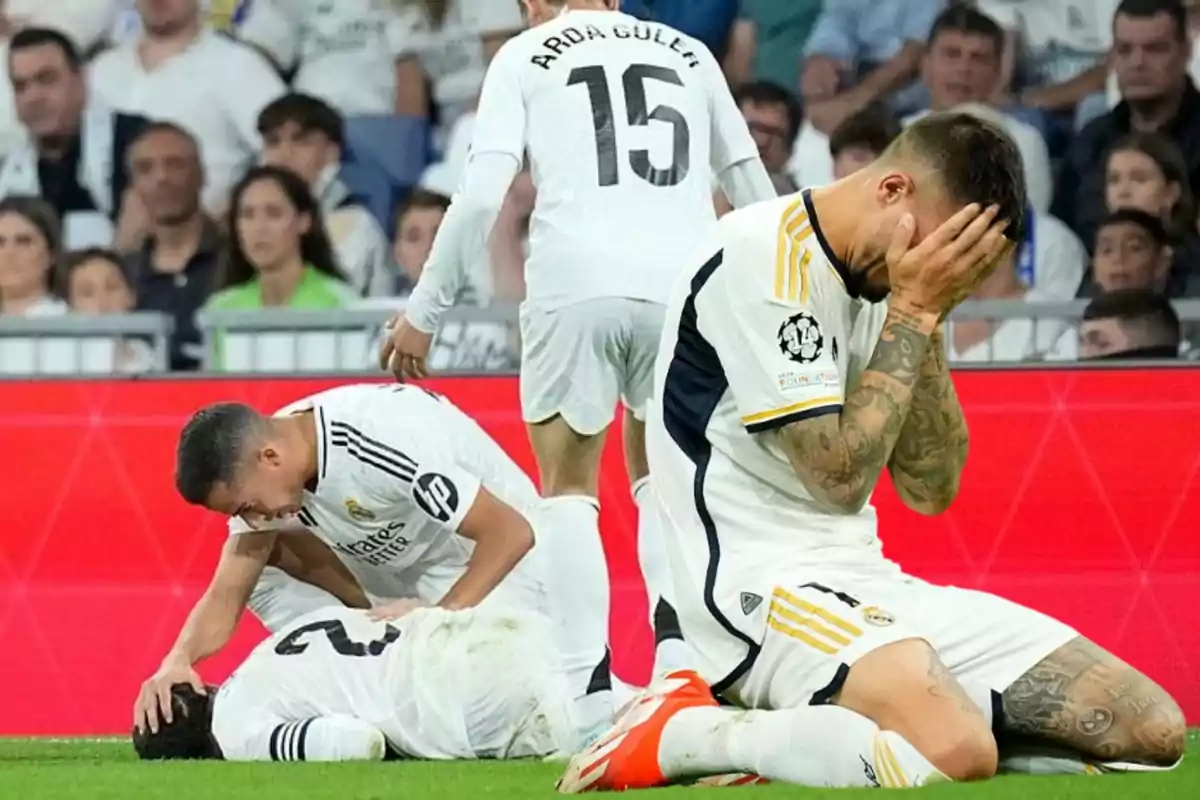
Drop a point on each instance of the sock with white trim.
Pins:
(825, 746)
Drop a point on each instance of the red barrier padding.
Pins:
(1080, 499)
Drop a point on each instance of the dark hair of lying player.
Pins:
(188, 735)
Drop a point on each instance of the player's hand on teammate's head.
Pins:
(405, 350)
(396, 609)
(187, 736)
(938, 273)
(154, 702)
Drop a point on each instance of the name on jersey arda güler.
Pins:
(573, 36)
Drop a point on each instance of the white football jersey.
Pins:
(436, 684)
(398, 469)
(763, 334)
(624, 124)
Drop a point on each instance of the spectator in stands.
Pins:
(456, 40)
(417, 224)
(305, 134)
(279, 254)
(1151, 56)
(94, 282)
(85, 22)
(181, 71)
(767, 40)
(70, 143)
(358, 57)
(773, 116)
(29, 247)
(1055, 57)
(1146, 171)
(865, 51)
(861, 138)
(962, 65)
(174, 268)
(1132, 251)
(1130, 323)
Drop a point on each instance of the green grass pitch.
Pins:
(107, 770)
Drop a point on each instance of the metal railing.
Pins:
(85, 344)
(279, 341)
(471, 341)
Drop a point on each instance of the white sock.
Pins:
(671, 652)
(578, 599)
(825, 746)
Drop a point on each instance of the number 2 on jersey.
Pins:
(633, 82)
(339, 640)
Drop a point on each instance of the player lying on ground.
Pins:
(783, 392)
(624, 124)
(413, 496)
(336, 685)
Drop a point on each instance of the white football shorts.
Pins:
(578, 361)
(818, 626)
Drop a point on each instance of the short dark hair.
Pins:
(977, 162)
(189, 733)
(1151, 311)
(1144, 220)
(873, 128)
(211, 447)
(964, 19)
(75, 259)
(40, 37)
(766, 93)
(423, 199)
(307, 113)
(1144, 9)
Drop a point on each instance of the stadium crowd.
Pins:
(179, 155)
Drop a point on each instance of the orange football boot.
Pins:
(627, 756)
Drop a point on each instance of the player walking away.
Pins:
(336, 685)
(398, 481)
(783, 392)
(624, 124)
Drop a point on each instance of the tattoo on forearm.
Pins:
(840, 458)
(1085, 698)
(931, 450)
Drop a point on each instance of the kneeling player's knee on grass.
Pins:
(962, 752)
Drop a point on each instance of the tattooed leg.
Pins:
(1085, 698)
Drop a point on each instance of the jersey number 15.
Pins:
(633, 82)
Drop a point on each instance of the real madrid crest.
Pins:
(874, 615)
(358, 512)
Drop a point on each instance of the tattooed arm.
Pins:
(839, 457)
(929, 456)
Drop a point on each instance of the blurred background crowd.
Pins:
(193, 158)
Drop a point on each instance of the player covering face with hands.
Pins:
(780, 378)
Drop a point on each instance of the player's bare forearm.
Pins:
(839, 458)
(306, 558)
(213, 619)
(929, 456)
(502, 538)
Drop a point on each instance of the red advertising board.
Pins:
(1080, 499)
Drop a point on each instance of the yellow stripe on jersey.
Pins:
(775, 413)
(789, 223)
(802, 636)
(804, 605)
(804, 276)
(884, 755)
(781, 613)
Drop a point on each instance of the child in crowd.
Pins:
(94, 282)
